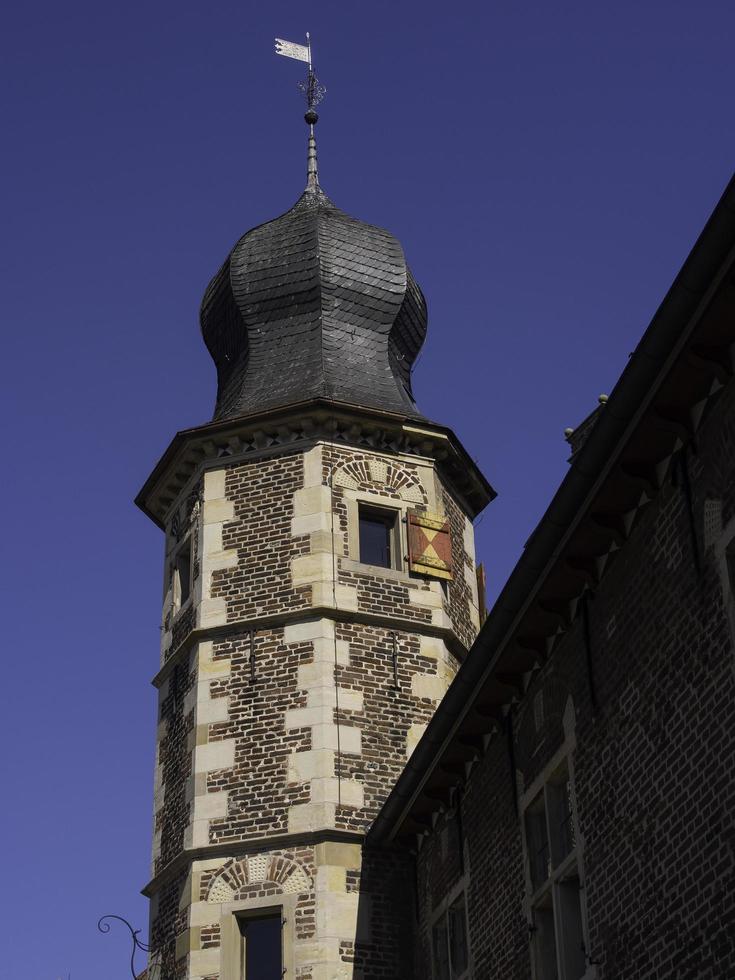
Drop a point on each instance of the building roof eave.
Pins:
(631, 423)
(316, 419)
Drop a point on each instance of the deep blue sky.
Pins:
(547, 167)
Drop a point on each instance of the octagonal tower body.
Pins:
(296, 676)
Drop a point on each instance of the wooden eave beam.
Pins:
(512, 681)
(478, 724)
(476, 741)
(439, 794)
(612, 523)
(644, 474)
(489, 710)
(536, 643)
(717, 359)
(459, 753)
(516, 659)
(587, 566)
(676, 419)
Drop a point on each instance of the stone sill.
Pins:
(377, 571)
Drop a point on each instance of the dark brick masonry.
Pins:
(655, 799)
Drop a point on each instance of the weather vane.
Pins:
(311, 88)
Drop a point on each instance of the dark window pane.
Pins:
(457, 938)
(262, 947)
(183, 572)
(570, 913)
(731, 567)
(537, 842)
(441, 950)
(545, 944)
(559, 795)
(566, 825)
(375, 538)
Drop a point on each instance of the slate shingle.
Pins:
(314, 304)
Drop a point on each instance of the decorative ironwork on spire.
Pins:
(314, 92)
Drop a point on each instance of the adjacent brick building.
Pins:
(351, 782)
(571, 806)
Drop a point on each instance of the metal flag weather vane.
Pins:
(311, 88)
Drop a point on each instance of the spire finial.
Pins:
(314, 93)
(312, 172)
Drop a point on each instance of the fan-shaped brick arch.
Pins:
(367, 472)
(232, 881)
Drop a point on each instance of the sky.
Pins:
(547, 168)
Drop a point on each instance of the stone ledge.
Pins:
(227, 630)
(256, 845)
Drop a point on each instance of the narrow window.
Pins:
(555, 892)
(561, 823)
(457, 923)
(183, 573)
(538, 710)
(450, 949)
(261, 947)
(730, 556)
(377, 537)
(441, 950)
(537, 840)
(572, 940)
(545, 940)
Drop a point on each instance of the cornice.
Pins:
(299, 425)
(231, 849)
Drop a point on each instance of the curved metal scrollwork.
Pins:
(104, 926)
(313, 90)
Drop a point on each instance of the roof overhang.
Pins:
(683, 360)
(267, 433)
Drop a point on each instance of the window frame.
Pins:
(355, 500)
(231, 937)
(442, 911)
(548, 894)
(185, 544)
(393, 519)
(274, 912)
(725, 558)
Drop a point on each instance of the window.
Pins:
(450, 950)
(182, 574)
(730, 558)
(378, 537)
(537, 842)
(725, 556)
(553, 881)
(261, 956)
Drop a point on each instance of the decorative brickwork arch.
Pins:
(231, 882)
(368, 473)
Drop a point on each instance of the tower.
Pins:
(320, 593)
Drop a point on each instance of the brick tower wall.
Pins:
(282, 728)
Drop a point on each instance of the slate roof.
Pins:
(314, 304)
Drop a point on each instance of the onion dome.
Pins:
(314, 304)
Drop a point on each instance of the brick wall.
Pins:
(654, 786)
(287, 721)
(259, 794)
(389, 713)
(172, 810)
(260, 582)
